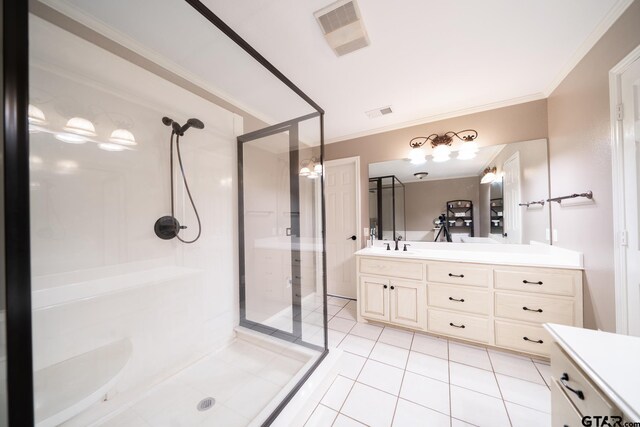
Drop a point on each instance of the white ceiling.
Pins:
(453, 168)
(428, 59)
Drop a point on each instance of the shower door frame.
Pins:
(290, 126)
(17, 248)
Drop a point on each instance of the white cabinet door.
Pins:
(407, 303)
(374, 298)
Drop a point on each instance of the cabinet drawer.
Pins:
(586, 398)
(461, 298)
(537, 309)
(540, 281)
(399, 269)
(563, 413)
(458, 325)
(459, 274)
(520, 337)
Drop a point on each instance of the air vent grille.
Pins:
(342, 27)
(379, 112)
(338, 18)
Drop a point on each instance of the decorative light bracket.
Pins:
(444, 139)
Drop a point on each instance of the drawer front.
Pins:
(399, 269)
(460, 298)
(536, 309)
(459, 274)
(528, 338)
(458, 325)
(586, 398)
(563, 413)
(542, 281)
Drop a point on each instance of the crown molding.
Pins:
(609, 19)
(442, 116)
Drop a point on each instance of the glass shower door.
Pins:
(280, 232)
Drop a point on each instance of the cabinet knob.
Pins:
(392, 288)
(385, 286)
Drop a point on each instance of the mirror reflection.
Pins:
(497, 196)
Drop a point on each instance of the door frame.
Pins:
(355, 160)
(617, 181)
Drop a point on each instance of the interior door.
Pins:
(512, 213)
(342, 228)
(407, 303)
(630, 84)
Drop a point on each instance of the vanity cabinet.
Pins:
(496, 305)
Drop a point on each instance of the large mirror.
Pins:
(497, 196)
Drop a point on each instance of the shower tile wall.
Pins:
(99, 272)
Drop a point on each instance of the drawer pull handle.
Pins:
(526, 282)
(453, 299)
(456, 275)
(565, 377)
(457, 326)
(530, 340)
(531, 309)
(385, 286)
(392, 288)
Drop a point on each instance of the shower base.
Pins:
(247, 379)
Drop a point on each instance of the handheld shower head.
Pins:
(195, 123)
(174, 125)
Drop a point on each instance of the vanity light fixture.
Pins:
(418, 156)
(311, 168)
(36, 119)
(80, 126)
(122, 137)
(441, 145)
(489, 175)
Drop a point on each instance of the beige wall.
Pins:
(520, 122)
(580, 153)
(424, 201)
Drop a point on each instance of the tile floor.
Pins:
(391, 377)
(243, 378)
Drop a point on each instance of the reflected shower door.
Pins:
(279, 239)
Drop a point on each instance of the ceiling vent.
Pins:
(379, 112)
(342, 26)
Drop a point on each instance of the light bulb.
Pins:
(122, 136)
(317, 168)
(80, 126)
(70, 138)
(305, 171)
(466, 155)
(418, 156)
(107, 146)
(313, 175)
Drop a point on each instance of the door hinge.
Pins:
(624, 238)
(619, 112)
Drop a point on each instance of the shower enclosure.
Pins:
(386, 208)
(153, 286)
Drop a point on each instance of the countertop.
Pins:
(610, 360)
(533, 255)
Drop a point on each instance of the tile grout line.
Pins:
(449, 372)
(504, 403)
(406, 364)
(356, 380)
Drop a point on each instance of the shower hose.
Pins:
(186, 186)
